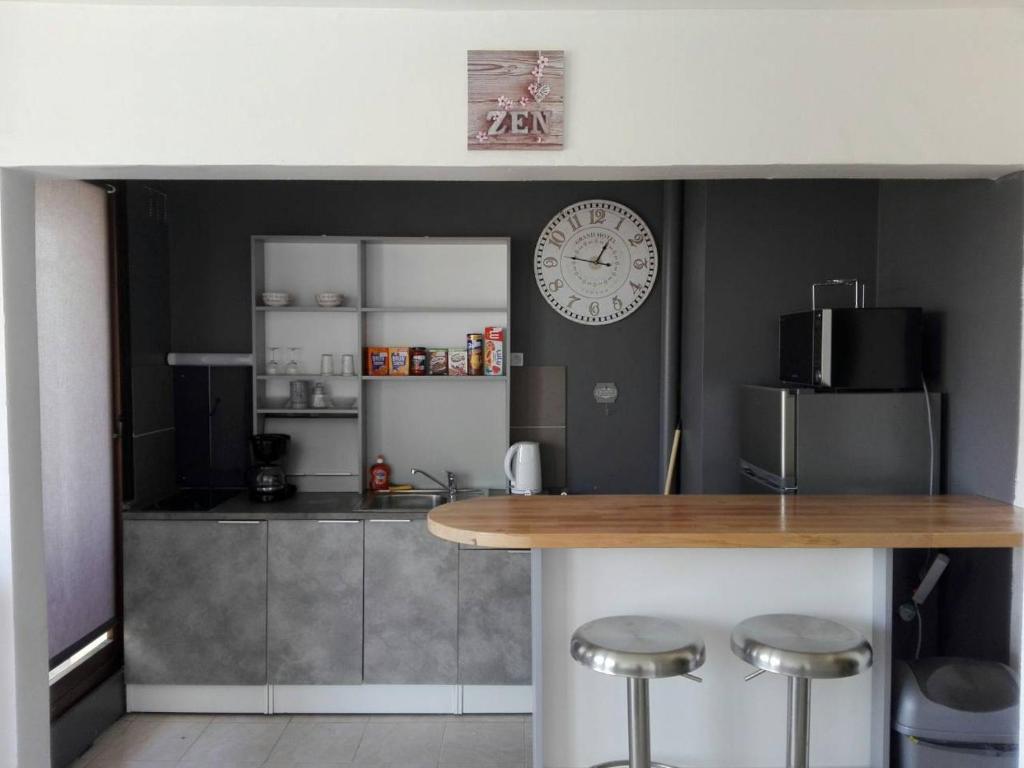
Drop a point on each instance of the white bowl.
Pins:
(276, 298)
(329, 299)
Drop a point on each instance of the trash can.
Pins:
(956, 713)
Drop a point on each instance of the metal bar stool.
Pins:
(638, 648)
(803, 648)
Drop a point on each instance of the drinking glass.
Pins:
(293, 366)
(272, 366)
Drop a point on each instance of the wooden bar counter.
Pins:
(713, 561)
(889, 522)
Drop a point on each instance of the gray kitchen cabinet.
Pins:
(494, 617)
(315, 602)
(195, 602)
(410, 604)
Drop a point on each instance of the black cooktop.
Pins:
(194, 500)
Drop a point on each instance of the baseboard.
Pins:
(365, 699)
(74, 732)
(497, 699)
(241, 699)
(332, 699)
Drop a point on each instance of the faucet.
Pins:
(451, 487)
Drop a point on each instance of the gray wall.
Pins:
(751, 250)
(955, 248)
(210, 226)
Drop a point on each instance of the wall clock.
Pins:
(596, 262)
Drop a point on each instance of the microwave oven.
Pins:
(852, 348)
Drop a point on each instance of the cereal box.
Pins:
(494, 351)
(376, 361)
(438, 362)
(457, 361)
(398, 361)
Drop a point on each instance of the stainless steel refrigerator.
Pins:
(797, 440)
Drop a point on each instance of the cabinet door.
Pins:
(195, 602)
(315, 605)
(411, 604)
(494, 617)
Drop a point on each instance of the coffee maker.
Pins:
(267, 478)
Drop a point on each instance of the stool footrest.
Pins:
(625, 764)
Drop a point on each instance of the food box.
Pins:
(494, 351)
(418, 361)
(457, 361)
(376, 361)
(438, 362)
(398, 361)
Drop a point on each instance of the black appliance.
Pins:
(267, 478)
(852, 348)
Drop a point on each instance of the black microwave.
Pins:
(852, 348)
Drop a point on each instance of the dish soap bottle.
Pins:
(380, 475)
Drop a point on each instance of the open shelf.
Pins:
(330, 413)
(399, 292)
(299, 376)
(435, 378)
(430, 310)
(304, 308)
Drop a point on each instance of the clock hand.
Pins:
(599, 255)
(588, 261)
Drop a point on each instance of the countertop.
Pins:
(730, 521)
(302, 506)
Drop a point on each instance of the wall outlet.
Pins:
(515, 359)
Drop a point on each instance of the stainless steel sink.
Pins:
(414, 500)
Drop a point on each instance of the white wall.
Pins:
(24, 694)
(380, 92)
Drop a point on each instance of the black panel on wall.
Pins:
(751, 250)
(211, 223)
(149, 466)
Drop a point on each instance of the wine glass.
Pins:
(293, 366)
(272, 366)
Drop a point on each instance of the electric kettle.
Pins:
(522, 468)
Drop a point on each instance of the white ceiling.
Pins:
(507, 5)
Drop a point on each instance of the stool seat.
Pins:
(801, 646)
(638, 647)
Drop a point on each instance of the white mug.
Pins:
(348, 365)
(327, 365)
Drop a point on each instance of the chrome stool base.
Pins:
(625, 764)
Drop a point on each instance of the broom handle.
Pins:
(671, 470)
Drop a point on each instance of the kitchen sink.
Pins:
(414, 500)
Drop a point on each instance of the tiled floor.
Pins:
(313, 741)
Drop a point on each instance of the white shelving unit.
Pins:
(426, 292)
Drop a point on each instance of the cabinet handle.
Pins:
(339, 522)
(390, 520)
(519, 551)
(239, 522)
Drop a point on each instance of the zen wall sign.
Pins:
(516, 99)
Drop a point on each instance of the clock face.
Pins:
(596, 262)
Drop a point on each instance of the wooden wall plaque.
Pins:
(516, 99)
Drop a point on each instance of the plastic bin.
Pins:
(956, 713)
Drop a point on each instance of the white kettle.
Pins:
(522, 468)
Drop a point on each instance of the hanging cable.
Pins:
(931, 438)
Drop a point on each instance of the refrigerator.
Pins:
(799, 440)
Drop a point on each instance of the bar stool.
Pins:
(802, 648)
(638, 648)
